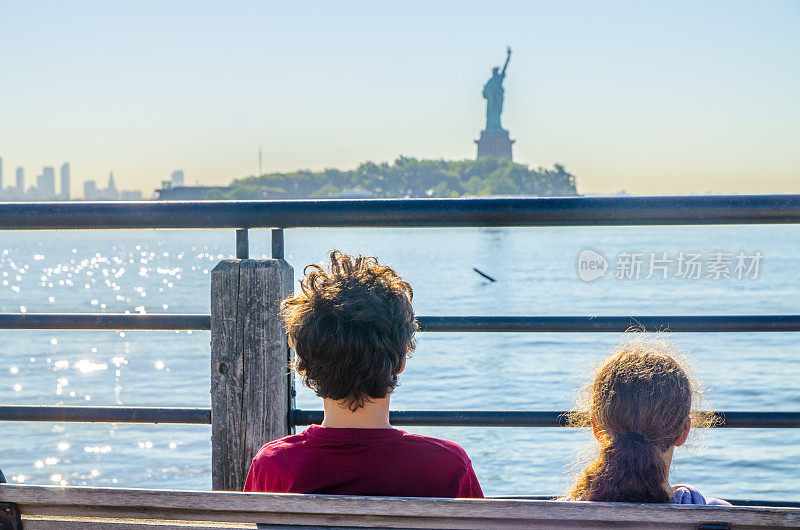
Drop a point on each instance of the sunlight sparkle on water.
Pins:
(102, 449)
(119, 360)
(86, 366)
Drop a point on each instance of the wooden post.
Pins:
(250, 377)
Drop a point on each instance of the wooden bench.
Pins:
(73, 508)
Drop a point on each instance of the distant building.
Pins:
(130, 195)
(177, 178)
(111, 193)
(90, 192)
(45, 185)
(174, 189)
(20, 174)
(65, 181)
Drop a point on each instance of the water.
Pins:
(168, 271)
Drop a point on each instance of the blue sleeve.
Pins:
(685, 494)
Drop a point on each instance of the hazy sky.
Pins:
(648, 97)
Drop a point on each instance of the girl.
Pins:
(639, 408)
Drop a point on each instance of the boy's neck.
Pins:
(373, 415)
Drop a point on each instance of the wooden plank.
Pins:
(250, 381)
(127, 524)
(390, 512)
(311, 521)
(226, 372)
(90, 523)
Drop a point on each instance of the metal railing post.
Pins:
(277, 243)
(242, 244)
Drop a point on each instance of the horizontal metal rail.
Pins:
(499, 324)
(612, 324)
(105, 414)
(544, 418)
(549, 211)
(440, 418)
(111, 321)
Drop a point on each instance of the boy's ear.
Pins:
(402, 366)
(684, 434)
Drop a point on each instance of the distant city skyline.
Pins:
(650, 98)
(44, 186)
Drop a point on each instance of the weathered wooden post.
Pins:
(250, 376)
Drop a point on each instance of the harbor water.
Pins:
(536, 272)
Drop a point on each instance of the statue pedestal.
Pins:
(495, 143)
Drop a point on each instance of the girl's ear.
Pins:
(595, 429)
(684, 434)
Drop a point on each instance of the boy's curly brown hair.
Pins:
(351, 328)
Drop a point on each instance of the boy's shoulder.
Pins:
(438, 446)
(281, 446)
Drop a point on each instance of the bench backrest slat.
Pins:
(139, 508)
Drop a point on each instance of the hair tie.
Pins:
(634, 436)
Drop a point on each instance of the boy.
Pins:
(351, 328)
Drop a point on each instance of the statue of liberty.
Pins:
(493, 94)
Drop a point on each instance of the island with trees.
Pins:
(408, 177)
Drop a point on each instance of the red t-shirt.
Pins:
(384, 462)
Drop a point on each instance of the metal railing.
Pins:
(242, 215)
(439, 418)
(493, 324)
(567, 211)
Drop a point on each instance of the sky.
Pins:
(645, 97)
